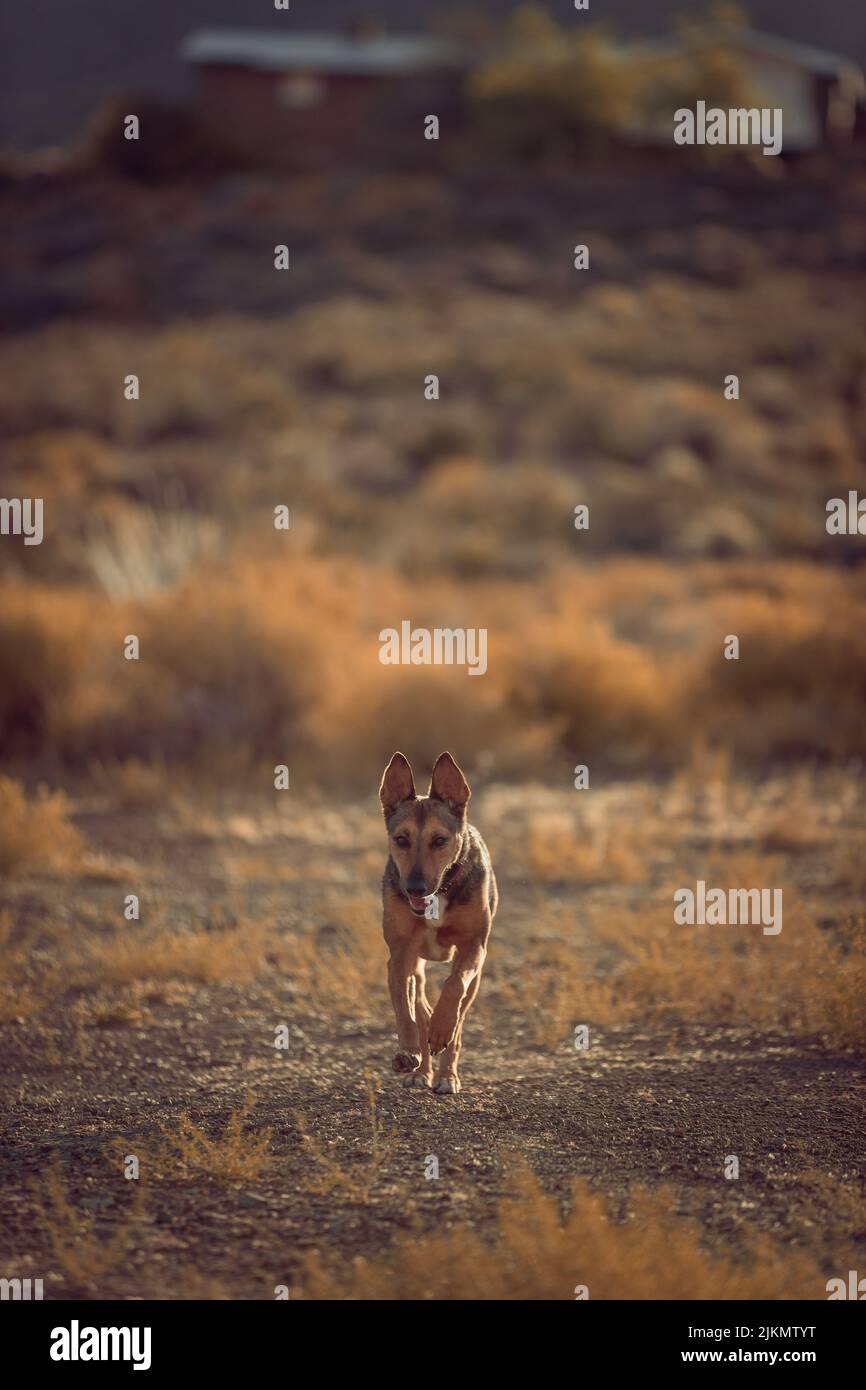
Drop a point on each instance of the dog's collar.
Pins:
(456, 873)
(453, 877)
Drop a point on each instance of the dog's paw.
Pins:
(447, 1086)
(420, 1079)
(407, 1061)
(440, 1033)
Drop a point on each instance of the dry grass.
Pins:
(275, 659)
(18, 998)
(806, 979)
(115, 974)
(36, 834)
(132, 784)
(206, 955)
(340, 969)
(605, 645)
(558, 850)
(707, 517)
(81, 1251)
(239, 1155)
(360, 1177)
(533, 1252)
(552, 988)
(604, 946)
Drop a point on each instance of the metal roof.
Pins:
(817, 60)
(380, 55)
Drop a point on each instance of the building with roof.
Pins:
(317, 100)
(820, 93)
(309, 100)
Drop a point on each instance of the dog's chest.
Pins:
(435, 940)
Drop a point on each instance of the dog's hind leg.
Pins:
(424, 1075)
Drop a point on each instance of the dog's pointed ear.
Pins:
(449, 785)
(398, 784)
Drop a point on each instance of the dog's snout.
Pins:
(415, 884)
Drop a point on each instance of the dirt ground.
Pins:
(109, 1072)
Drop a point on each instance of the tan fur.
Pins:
(433, 846)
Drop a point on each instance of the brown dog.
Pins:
(439, 896)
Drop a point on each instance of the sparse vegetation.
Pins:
(535, 1252)
(78, 1241)
(238, 1155)
(36, 832)
(357, 1179)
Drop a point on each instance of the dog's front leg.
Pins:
(401, 983)
(467, 967)
(448, 1078)
(424, 1075)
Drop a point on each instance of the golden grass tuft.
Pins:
(558, 851)
(228, 953)
(358, 1180)
(81, 1251)
(808, 979)
(239, 1155)
(534, 1252)
(36, 834)
(18, 998)
(341, 967)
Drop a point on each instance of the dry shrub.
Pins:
(238, 1155)
(341, 968)
(275, 656)
(18, 997)
(132, 784)
(674, 413)
(46, 643)
(558, 850)
(634, 964)
(421, 711)
(199, 385)
(242, 661)
(546, 85)
(81, 1251)
(847, 863)
(122, 965)
(228, 953)
(142, 552)
(605, 697)
(358, 1179)
(36, 834)
(522, 506)
(550, 987)
(182, 1283)
(806, 978)
(790, 829)
(174, 145)
(798, 685)
(534, 1252)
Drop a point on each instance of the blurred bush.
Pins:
(174, 143)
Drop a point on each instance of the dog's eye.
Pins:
(402, 841)
(439, 841)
